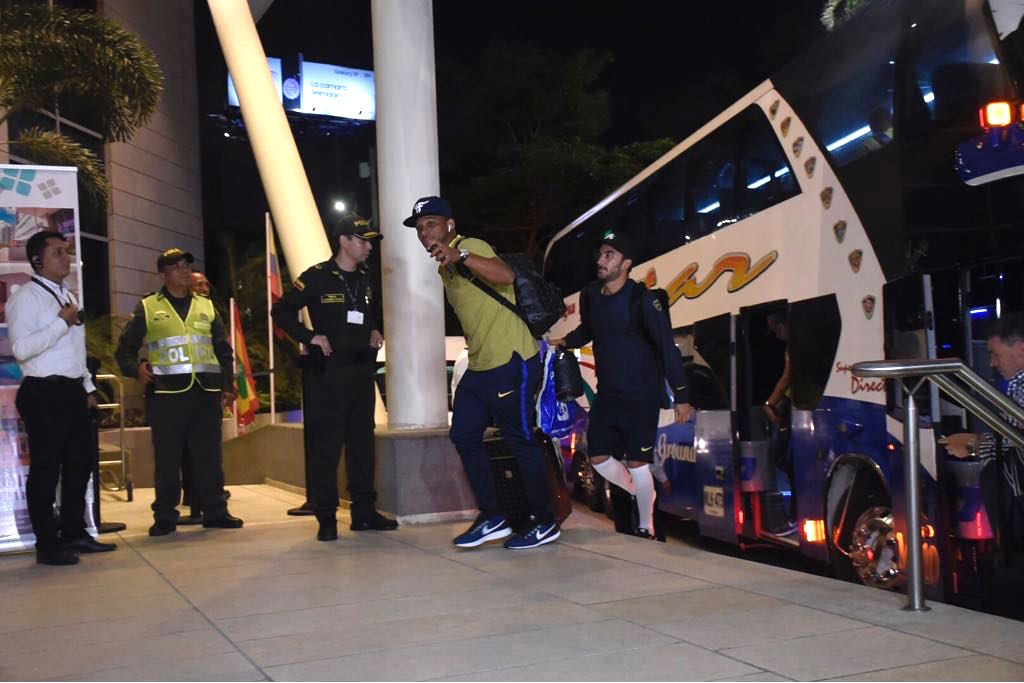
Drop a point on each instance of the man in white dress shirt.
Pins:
(54, 400)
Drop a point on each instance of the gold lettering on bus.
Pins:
(686, 284)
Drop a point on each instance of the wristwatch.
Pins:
(463, 255)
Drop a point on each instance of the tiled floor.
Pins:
(270, 602)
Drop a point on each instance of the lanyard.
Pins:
(352, 297)
(62, 304)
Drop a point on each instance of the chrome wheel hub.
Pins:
(874, 549)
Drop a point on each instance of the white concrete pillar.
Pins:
(284, 179)
(407, 167)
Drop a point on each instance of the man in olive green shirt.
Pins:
(501, 382)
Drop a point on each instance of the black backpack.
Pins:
(538, 302)
(636, 297)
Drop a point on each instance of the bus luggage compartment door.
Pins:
(715, 473)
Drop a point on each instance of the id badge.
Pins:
(355, 317)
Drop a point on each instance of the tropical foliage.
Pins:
(53, 58)
(836, 12)
(523, 150)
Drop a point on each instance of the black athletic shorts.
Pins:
(625, 430)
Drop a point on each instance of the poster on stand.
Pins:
(32, 198)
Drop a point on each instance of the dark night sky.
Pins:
(676, 64)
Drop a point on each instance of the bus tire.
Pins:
(859, 520)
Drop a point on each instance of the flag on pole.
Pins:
(274, 286)
(247, 402)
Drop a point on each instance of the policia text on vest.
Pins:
(187, 372)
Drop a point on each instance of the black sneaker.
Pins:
(483, 529)
(374, 521)
(537, 535)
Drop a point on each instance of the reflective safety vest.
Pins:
(180, 347)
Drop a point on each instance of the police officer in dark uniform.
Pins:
(344, 342)
(188, 377)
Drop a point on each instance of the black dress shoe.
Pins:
(162, 528)
(303, 510)
(328, 530)
(86, 545)
(190, 520)
(56, 556)
(225, 522)
(374, 521)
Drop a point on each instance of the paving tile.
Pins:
(458, 600)
(156, 625)
(974, 668)
(360, 637)
(672, 662)
(553, 560)
(475, 655)
(844, 653)
(236, 603)
(956, 626)
(694, 604)
(89, 613)
(225, 667)
(171, 649)
(612, 584)
(772, 623)
(759, 676)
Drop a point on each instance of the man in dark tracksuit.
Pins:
(188, 379)
(344, 342)
(633, 354)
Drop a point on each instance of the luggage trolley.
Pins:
(108, 479)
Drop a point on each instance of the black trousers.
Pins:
(340, 413)
(192, 419)
(56, 416)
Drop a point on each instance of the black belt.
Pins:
(54, 379)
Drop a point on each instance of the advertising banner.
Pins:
(32, 198)
(322, 89)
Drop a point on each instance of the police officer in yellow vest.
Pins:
(187, 372)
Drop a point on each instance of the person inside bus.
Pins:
(1002, 491)
(633, 353)
(777, 410)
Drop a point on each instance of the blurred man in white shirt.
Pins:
(54, 400)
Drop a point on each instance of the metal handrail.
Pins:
(936, 371)
(944, 374)
(125, 481)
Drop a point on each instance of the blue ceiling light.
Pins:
(847, 139)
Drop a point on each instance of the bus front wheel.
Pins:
(861, 538)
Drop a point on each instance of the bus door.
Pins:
(674, 447)
(910, 335)
(764, 437)
(714, 341)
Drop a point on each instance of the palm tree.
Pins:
(836, 12)
(49, 54)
